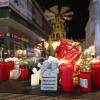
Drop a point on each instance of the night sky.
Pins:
(81, 15)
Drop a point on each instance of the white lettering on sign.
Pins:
(84, 83)
(49, 81)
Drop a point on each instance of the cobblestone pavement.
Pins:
(11, 96)
(21, 90)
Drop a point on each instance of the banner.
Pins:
(24, 39)
(4, 3)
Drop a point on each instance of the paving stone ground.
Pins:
(21, 90)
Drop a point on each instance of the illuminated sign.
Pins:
(18, 37)
(2, 34)
(24, 39)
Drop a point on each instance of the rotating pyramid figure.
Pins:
(58, 31)
(57, 19)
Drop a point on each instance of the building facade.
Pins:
(22, 24)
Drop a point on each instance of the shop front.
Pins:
(13, 44)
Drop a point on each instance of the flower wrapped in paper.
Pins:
(86, 63)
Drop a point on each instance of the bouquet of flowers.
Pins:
(86, 62)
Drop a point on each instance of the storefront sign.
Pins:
(24, 39)
(16, 36)
(7, 34)
(2, 34)
(4, 3)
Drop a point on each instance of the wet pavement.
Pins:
(21, 90)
